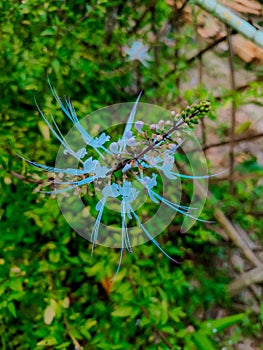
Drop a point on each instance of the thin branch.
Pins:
(110, 24)
(241, 139)
(74, 340)
(248, 278)
(228, 227)
(176, 50)
(233, 109)
(238, 89)
(151, 4)
(245, 280)
(236, 238)
(200, 75)
(25, 179)
(199, 54)
(209, 47)
(253, 308)
(162, 336)
(245, 237)
(182, 7)
(155, 32)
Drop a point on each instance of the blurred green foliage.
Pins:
(53, 294)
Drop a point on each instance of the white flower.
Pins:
(138, 51)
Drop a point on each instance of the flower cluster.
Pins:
(139, 155)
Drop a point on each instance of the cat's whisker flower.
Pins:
(121, 164)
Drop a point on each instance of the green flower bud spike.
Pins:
(192, 114)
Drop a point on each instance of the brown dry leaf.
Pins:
(241, 157)
(247, 344)
(245, 6)
(172, 3)
(210, 27)
(107, 284)
(50, 312)
(246, 50)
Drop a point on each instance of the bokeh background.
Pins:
(53, 293)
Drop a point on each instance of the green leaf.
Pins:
(44, 129)
(16, 284)
(202, 342)
(250, 165)
(47, 341)
(164, 311)
(224, 322)
(47, 32)
(167, 329)
(242, 127)
(65, 345)
(90, 323)
(122, 312)
(11, 307)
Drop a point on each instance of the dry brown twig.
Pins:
(74, 340)
(247, 278)
(236, 238)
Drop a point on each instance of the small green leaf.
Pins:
(167, 329)
(47, 341)
(47, 32)
(90, 323)
(242, 127)
(164, 312)
(122, 312)
(16, 284)
(63, 346)
(44, 129)
(11, 307)
(56, 65)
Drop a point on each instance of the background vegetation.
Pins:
(53, 294)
